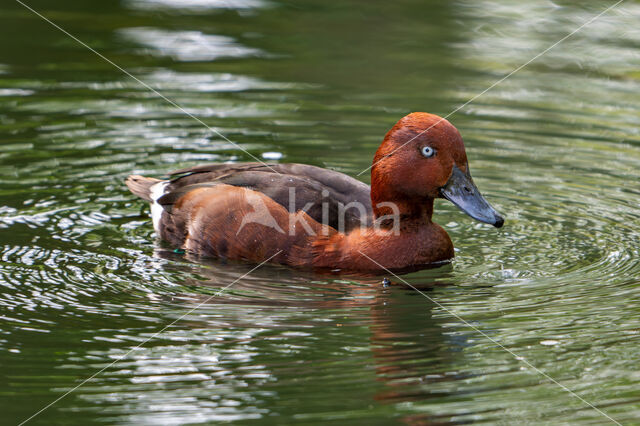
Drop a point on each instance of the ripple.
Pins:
(555, 148)
(188, 45)
(15, 92)
(194, 6)
(602, 46)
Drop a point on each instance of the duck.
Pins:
(304, 216)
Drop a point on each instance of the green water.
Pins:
(555, 147)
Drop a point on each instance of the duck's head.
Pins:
(421, 158)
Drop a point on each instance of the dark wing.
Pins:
(294, 186)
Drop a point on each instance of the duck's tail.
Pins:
(141, 186)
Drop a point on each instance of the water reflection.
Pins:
(556, 146)
(187, 45)
(269, 331)
(195, 6)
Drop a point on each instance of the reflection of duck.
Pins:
(239, 211)
(300, 326)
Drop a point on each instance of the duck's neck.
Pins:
(389, 208)
(402, 236)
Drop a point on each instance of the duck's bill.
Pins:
(462, 192)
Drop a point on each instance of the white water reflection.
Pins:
(196, 5)
(187, 46)
(166, 79)
(15, 92)
(603, 45)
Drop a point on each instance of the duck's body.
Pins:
(306, 216)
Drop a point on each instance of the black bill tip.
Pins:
(462, 192)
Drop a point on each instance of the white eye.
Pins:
(427, 151)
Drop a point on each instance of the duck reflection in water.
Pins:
(410, 348)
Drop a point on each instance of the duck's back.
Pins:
(326, 196)
(293, 186)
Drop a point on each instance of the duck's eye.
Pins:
(427, 151)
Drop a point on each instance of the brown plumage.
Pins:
(293, 212)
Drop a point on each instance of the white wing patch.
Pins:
(157, 191)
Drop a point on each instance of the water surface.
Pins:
(556, 147)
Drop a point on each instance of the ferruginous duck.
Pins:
(306, 216)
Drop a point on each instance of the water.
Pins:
(556, 147)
